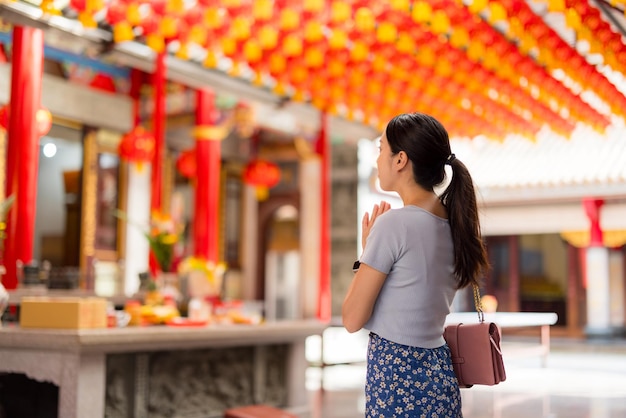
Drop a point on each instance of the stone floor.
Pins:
(582, 379)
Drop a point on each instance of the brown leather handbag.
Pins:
(475, 349)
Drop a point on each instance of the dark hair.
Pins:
(426, 143)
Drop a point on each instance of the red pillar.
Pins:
(207, 190)
(573, 284)
(158, 123)
(324, 303)
(514, 274)
(158, 83)
(592, 209)
(23, 147)
(136, 82)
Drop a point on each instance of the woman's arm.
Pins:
(362, 294)
(367, 282)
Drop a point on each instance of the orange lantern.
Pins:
(262, 175)
(43, 121)
(186, 164)
(137, 146)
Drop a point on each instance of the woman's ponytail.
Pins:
(459, 198)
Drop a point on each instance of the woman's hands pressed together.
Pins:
(368, 220)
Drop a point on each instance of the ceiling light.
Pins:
(49, 150)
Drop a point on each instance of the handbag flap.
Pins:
(475, 352)
(475, 344)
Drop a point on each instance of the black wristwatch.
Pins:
(355, 266)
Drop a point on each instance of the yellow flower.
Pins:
(169, 239)
(209, 269)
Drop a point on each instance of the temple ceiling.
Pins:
(489, 68)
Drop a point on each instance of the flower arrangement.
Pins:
(163, 234)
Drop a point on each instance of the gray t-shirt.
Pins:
(414, 248)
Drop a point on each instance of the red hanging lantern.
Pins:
(159, 7)
(103, 82)
(186, 164)
(262, 175)
(116, 13)
(78, 5)
(137, 146)
(43, 119)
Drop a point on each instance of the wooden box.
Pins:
(63, 312)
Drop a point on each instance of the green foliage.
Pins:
(163, 249)
(4, 209)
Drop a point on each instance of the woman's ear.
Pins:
(401, 159)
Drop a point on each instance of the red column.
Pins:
(573, 285)
(158, 122)
(514, 274)
(158, 83)
(136, 82)
(23, 147)
(592, 209)
(207, 191)
(324, 303)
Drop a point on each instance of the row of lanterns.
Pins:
(362, 59)
(555, 54)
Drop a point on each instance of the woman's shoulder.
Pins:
(410, 220)
(392, 221)
(403, 219)
(418, 214)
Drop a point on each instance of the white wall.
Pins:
(137, 247)
(50, 215)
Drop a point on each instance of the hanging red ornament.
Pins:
(150, 24)
(137, 146)
(159, 7)
(116, 13)
(263, 175)
(186, 164)
(103, 82)
(78, 5)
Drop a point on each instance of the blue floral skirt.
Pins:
(404, 381)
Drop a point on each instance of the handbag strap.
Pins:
(478, 304)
